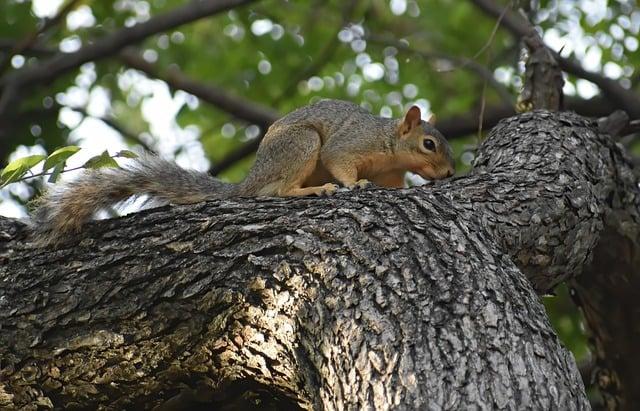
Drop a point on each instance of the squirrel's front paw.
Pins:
(362, 183)
(328, 189)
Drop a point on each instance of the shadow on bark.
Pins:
(413, 298)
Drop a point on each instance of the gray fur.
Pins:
(66, 206)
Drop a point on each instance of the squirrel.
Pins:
(305, 152)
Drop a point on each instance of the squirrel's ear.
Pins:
(411, 120)
(432, 119)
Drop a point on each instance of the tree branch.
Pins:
(28, 41)
(519, 27)
(238, 154)
(244, 110)
(323, 57)
(7, 44)
(109, 45)
(109, 121)
(241, 109)
(462, 62)
(373, 298)
(543, 80)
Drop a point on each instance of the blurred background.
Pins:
(201, 85)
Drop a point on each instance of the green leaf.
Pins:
(126, 154)
(56, 172)
(59, 156)
(101, 161)
(18, 168)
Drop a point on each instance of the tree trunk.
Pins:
(415, 298)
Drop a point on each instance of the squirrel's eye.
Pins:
(429, 144)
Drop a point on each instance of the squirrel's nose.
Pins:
(451, 172)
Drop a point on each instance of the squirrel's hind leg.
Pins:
(302, 168)
(286, 159)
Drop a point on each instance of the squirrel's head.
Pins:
(422, 148)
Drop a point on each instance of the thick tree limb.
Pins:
(607, 293)
(109, 45)
(519, 27)
(372, 298)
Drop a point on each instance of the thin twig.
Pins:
(322, 58)
(483, 102)
(487, 44)
(462, 62)
(519, 27)
(43, 174)
(115, 126)
(493, 32)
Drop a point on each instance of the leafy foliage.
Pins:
(59, 156)
(101, 161)
(18, 169)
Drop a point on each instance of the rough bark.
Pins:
(422, 297)
(608, 292)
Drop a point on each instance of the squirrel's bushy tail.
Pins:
(65, 208)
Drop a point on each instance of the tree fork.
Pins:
(374, 298)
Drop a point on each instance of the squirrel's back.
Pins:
(329, 117)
